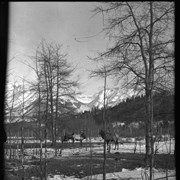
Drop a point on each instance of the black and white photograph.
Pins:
(89, 91)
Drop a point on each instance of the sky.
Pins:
(68, 23)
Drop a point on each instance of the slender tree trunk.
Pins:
(152, 141)
(10, 142)
(90, 136)
(10, 118)
(46, 119)
(22, 135)
(52, 116)
(151, 75)
(57, 102)
(49, 77)
(104, 120)
(148, 135)
(45, 133)
(40, 130)
(22, 149)
(18, 142)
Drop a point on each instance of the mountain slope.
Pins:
(113, 97)
(68, 104)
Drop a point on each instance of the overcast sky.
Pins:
(64, 23)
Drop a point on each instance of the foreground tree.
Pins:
(141, 50)
(53, 84)
(51, 87)
(56, 74)
(12, 94)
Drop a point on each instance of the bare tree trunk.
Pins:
(22, 135)
(90, 136)
(52, 116)
(104, 120)
(151, 76)
(50, 86)
(10, 118)
(10, 144)
(57, 102)
(148, 132)
(152, 142)
(17, 150)
(45, 165)
(169, 152)
(40, 130)
(46, 119)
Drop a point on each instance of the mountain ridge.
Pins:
(77, 104)
(112, 97)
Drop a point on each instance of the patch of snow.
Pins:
(162, 147)
(84, 98)
(62, 177)
(137, 173)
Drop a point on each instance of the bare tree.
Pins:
(56, 73)
(52, 83)
(13, 92)
(38, 89)
(22, 114)
(104, 126)
(141, 50)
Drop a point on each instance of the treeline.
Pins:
(130, 110)
(133, 110)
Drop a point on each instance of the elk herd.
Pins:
(110, 136)
(74, 137)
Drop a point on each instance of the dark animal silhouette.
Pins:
(79, 137)
(74, 137)
(67, 137)
(110, 137)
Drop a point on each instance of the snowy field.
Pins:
(138, 173)
(129, 146)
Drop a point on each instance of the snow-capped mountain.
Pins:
(79, 103)
(84, 98)
(112, 97)
(27, 105)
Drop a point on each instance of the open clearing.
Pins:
(86, 162)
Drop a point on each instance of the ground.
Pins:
(75, 162)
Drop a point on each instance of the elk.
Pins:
(110, 137)
(74, 137)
